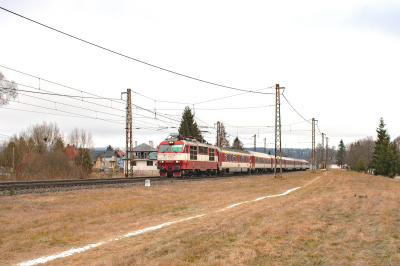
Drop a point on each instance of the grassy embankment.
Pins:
(341, 218)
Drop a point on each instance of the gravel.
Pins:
(40, 190)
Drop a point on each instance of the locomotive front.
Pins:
(170, 157)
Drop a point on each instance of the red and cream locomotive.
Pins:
(178, 156)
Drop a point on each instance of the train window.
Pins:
(225, 158)
(193, 152)
(163, 148)
(203, 150)
(230, 158)
(176, 148)
(211, 157)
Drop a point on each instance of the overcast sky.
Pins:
(338, 61)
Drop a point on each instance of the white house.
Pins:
(144, 160)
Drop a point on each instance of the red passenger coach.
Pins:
(186, 157)
(181, 156)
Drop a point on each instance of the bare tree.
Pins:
(80, 139)
(8, 90)
(362, 147)
(44, 135)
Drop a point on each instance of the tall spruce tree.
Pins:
(381, 161)
(394, 159)
(237, 144)
(341, 154)
(188, 126)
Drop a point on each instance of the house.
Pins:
(144, 160)
(106, 159)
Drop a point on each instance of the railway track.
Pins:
(70, 182)
(49, 186)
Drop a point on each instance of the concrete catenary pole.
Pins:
(255, 148)
(265, 145)
(322, 151)
(313, 146)
(327, 154)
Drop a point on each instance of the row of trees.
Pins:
(39, 152)
(382, 157)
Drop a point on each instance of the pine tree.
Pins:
(237, 144)
(59, 145)
(361, 165)
(341, 154)
(189, 127)
(84, 161)
(394, 159)
(381, 160)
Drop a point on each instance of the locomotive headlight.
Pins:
(178, 161)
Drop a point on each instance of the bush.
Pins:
(361, 165)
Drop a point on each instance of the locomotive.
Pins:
(179, 156)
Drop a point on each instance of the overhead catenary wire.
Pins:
(137, 60)
(76, 116)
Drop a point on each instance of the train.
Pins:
(179, 156)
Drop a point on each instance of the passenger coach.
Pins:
(178, 156)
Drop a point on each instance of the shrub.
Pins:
(361, 165)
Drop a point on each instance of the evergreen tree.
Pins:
(58, 145)
(341, 154)
(394, 159)
(188, 126)
(269, 152)
(237, 144)
(381, 161)
(361, 165)
(110, 148)
(84, 161)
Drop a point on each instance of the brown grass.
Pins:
(342, 218)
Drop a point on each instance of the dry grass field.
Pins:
(342, 218)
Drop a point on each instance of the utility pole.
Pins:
(265, 145)
(327, 154)
(322, 152)
(278, 139)
(313, 146)
(218, 134)
(129, 146)
(255, 149)
(13, 158)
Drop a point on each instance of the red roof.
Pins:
(121, 152)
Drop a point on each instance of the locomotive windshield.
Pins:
(171, 148)
(163, 148)
(176, 148)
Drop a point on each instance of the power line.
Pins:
(295, 109)
(217, 109)
(57, 94)
(140, 61)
